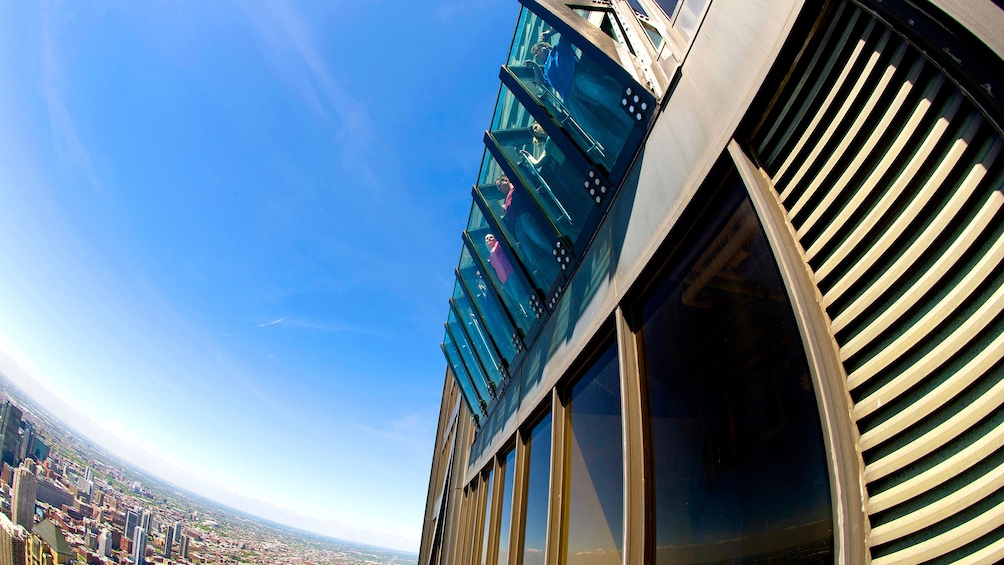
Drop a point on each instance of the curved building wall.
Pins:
(802, 261)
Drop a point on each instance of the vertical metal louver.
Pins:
(894, 183)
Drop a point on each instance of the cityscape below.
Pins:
(66, 501)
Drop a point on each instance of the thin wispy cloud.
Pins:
(272, 323)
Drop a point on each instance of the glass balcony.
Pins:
(577, 90)
(475, 404)
(488, 304)
(483, 378)
(551, 169)
(485, 345)
(504, 268)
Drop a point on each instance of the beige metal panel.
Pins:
(951, 345)
(878, 174)
(944, 471)
(925, 406)
(634, 443)
(939, 436)
(873, 219)
(989, 555)
(850, 107)
(844, 465)
(940, 509)
(948, 541)
(941, 267)
(984, 18)
(878, 129)
(781, 176)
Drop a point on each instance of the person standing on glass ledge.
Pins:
(503, 269)
(590, 96)
(529, 236)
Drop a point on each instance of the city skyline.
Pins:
(230, 231)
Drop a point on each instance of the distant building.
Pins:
(47, 546)
(52, 493)
(139, 546)
(183, 547)
(105, 543)
(23, 499)
(27, 437)
(13, 539)
(168, 542)
(177, 531)
(10, 424)
(131, 521)
(39, 449)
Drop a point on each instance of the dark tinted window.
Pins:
(738, 456)
(538, 485)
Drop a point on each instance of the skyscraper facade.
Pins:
(139, 546)
(731, 290)
(168, 542)
(10, 425)
(23, 497)
(12, 542)
(131, 521)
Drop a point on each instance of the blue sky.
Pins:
(228, 232)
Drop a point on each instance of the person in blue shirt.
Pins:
(589, 95)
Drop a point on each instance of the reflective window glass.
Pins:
(513, 207)
(486, 531)
(503, 270)
(505, 516)
(477, 333)
(555, 182)
(486, 301)
(469, 358)
(595, 503)
(474, 402)
(538, 486)
(572, 87)
(737, 449)
(689, 17)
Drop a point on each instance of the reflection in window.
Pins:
(485, 531)
(596, 474)
(556, 184)
(738, 456)
(538, 485)
(505, 516)
(503, 270)
(572, 87)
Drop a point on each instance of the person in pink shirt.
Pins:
(504, 270)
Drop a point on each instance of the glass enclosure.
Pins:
(474, 369)
(595, 503)
(538, 484)
(504, 270)
(488, 304)
(478, 335)
(737, 450)
(508, 471)
(555, 182)
(475, 403)
(574, 89)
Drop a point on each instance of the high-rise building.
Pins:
(168, 542)
(731, 290)
(144, 520)
(13, 539)
(131, 521)
(183, 547)
(39, 449)
(10, 425)
(177, 531)
(105, 543)
(139, 546)
(23, 496)
(47, 545)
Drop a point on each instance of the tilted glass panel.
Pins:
(556, 183)
(596, 467)
(480, 342)
(486, 300)
(486, 529)
(510, 205)
(573, 88)
(474, 402)
(689, 18)
(505, 516)
(489, 346)
(502, 269)
(482, 382)
(737, 448)
(604, 21)
(538, 486)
